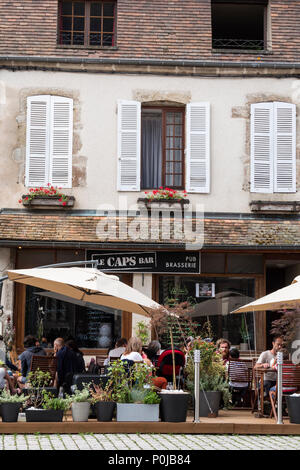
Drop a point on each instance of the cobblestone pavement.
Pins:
(147, 442)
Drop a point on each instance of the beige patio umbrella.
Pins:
(86, 285)
(285, 298)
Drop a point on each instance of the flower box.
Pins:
(163, 204)
(48, 202)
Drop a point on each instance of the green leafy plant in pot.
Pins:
(10, 406)
(37, 382)
(80, 402)
(213, 382)
(52, 409)
(173, 326)
(133, 391)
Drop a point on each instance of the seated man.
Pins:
(266, 359)
(26, 356)
(118, 350)
(223, 346)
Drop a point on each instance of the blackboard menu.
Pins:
(100, 328)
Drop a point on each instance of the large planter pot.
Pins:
(41, 416)
(243, 346)
(81, 411)
(213, 398)
(174, 406)
(137, 412)
(10, 412)
(104, 410)
(293, 404)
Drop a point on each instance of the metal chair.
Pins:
(290, 384)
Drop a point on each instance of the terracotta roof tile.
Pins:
(218, 232)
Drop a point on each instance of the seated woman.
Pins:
(134, 352)
(5, 380)
(153, 351)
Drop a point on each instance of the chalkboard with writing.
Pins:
(100, 328)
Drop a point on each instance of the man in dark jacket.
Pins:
(26, 356)
(66, 364)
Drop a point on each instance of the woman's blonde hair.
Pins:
(134, 345)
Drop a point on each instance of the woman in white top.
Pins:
(133, 351)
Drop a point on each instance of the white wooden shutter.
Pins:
(37, 140)
(61, 136)
(129, 145)
(198, 147)
(284, 147)
(262, 151)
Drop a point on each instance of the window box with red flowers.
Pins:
(47, 198)
(164, 199)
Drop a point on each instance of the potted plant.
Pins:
(37, 382)
(80, 403)
(133, 391)
(244, 334)
(103, 402)
(164, 198)
(48, 197)
(213, 381)
(10, 406)
(52, 409)
(173, 325)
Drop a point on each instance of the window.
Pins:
(163, 146)
(238, 24)
(91, 326)
(273, 147)
(49, 141)
(87, 23)
(226, 295)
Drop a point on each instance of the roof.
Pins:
(219, 231)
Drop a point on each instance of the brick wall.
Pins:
(161, 29)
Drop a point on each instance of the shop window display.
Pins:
(213, 299)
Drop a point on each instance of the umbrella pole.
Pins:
(279, 387)
(196, 384)
(173, 359)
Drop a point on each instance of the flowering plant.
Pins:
(165, 193)
(48, 192)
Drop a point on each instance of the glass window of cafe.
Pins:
(90, 325)
(213, 300)
(215, 296)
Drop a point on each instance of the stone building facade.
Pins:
(239, 163)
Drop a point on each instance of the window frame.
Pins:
(87, 27)
(265, 48)
(165, 110)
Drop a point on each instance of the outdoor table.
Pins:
(262, 371)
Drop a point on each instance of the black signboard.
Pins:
(154, 262)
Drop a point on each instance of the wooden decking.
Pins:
(228, 422)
